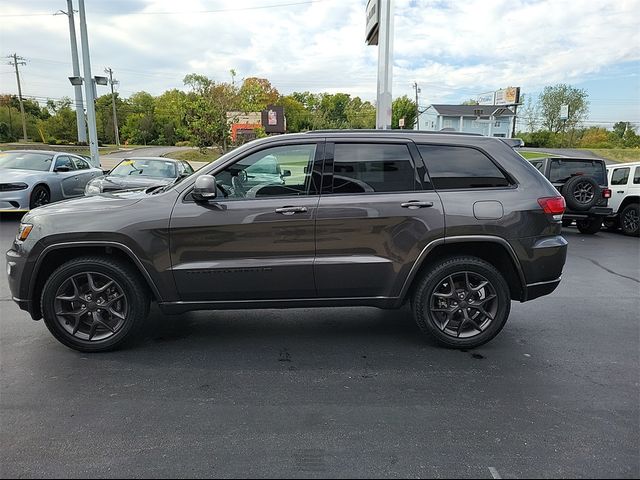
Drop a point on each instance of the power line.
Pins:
(182, 12)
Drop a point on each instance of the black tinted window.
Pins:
(460, 167)
(65, 162)
(360, 167)
(620, 176)
(563, 170)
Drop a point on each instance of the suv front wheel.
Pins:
(463, 302)
(94, 304)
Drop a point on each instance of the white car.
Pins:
(624, 181)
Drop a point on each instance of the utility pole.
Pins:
(80, 118)
(88, 86)
(113, 82)
(15, 61)
(415, 86)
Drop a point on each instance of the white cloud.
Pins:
(452, 49)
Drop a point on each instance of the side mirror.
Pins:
(205, 188)
(62, 168)
(105, 172)
(286, 173)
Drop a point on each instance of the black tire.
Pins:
(589, 226)
(581, 193)
(428, 295)
(133, 304)
(630, 220)
(611, 224)
(566, 222)
(40, 196)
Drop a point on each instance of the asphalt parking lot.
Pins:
(354, 392)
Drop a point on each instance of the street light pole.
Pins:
(16, 60)
(385, 65)
(415, 85)
(80, 119)
(88, 86)
(113, 102)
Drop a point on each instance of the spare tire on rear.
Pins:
(581, 193)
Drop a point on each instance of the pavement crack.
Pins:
(608, 269)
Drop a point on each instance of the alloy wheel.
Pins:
(463, 304)
(91, 306)
(583, 192)
(631, 220)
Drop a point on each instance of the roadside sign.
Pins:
(564, 112)
(373, 22)
(401, 122)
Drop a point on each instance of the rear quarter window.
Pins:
(452, 167)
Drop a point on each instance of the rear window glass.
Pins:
(26, 161)
(636, 176)
(562, 170)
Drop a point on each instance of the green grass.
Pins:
(617, 154)
(195, 155)
(530, 155)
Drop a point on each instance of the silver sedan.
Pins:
(31, 178)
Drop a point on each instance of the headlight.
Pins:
(12, 187)
(24, 231)
(92, 189)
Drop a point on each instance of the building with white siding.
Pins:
(487, 120)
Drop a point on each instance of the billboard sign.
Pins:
(373, 21)
(486, 98)
(564, 112)
(273, 119)
(508, 96)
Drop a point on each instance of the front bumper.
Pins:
(16, 263)
(15, 201)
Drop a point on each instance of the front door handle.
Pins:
(291, 210)
(413, 204)
(620, 191)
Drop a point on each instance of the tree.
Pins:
(471, 101)
(619, 128)
(552, 98)
(206, 110)
(170, 114)
(334, 109)
(361, 114)
(140, 125)
(60, 127)
(298, 118)
(256, 93)
(529, 113)
(403, 107)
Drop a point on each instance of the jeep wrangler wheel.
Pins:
(610, 224)
(589, 226)
(581, 193)
(463, 302)
(94, 304)
(630, 220)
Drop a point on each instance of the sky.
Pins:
(454, 50)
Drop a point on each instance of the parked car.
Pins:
(32, 178)
(583, 184)
(624, 179)
(139, 172)
(457, 225)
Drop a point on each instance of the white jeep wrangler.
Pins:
(624, 181)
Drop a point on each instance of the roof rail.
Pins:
(395, 131)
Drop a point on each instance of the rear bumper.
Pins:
(540, 289)
(542, 261)
(592, 212)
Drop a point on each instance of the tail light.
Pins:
(553, 205)
(606, 193)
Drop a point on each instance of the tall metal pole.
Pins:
(88, 86)
(80, 120)
(15, 62)
(113, 102)
(417, 126)
(385, 65)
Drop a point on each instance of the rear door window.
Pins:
(373, 167)
(452, 167)
(562, 170)
(636, 176)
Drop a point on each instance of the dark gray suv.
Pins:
(457, 225)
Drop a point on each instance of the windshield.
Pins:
(563, 170)
(145, 168)
(26, 161)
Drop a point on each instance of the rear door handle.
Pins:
(620, 191)
(291, 210)
(416, 204)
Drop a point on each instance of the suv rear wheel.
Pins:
(463, 302)
(630, 220)
(589, 226)
(94, 304)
